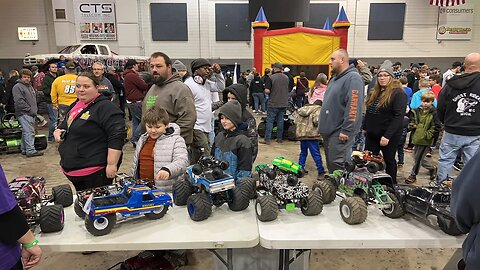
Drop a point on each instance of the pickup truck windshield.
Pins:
(69, 49)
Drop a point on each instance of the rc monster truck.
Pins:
(128, 198)
(424, 202)
(11, 136)
(207, 184)
(360, 188)
(280, 188)
(366, 159)
(31, 197)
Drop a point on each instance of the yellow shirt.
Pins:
(63, 90)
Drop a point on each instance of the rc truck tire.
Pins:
(181, 191)
(353, 210)
(224, 165)
(62, 195)
(292, 180)
(395, 210)
(326, 189)
(100, 226)
(358, 161)
(197, 169)
(382, 166)
(266, 208)
(157, 213)
(291, 133)
(51, 218)
(199, 207)
(239, 198)
(350, 166)
(312, 205)
(373, 167)
(78, 209)
(217, 173)
(261, 129)
(448, 226)
(250, 185)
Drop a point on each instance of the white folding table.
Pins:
(328, 231)
(224, 229)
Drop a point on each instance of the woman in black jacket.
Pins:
(386, 107)
(91, 137)
(7, 100)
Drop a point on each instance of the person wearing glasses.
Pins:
(386, 106)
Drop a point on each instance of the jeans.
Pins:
(259, 98)
(272, 115)
(53, 116)
(299, 100)
(450, 146)
(211, 135)
(136, 113)
(312, 145)
(28, 133)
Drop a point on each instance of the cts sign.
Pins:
(96, 8)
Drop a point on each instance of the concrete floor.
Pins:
(47, 166)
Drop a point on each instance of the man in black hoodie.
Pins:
(459, 111)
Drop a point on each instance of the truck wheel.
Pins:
(266, 208)
(197, 169)
(353, 210)
(382, 166)
(51, 218)
(261, 129)
(271, 174)
(394, 210)
(78, 209)
(291, 133)
(312, 205)
(301, 173)
(62, 195)
(158, 212)
(181, 191)
(40, 142)
(448, 226)
(224, 165)
(358, 161)
(373, 167)
(100, 226)
(326, 189)
(292, 180)
(250, 185)
(350, 166)
(239, 198)
(217, 173)
(199, 207)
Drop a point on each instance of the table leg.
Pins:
(453, 262)
(229, 259)
(280, 259)
(286, 259)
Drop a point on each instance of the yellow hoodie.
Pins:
(63, 90)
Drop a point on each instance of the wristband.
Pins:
(35, 242)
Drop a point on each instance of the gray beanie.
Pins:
(233, 111)
(179, 66)
(386, 67)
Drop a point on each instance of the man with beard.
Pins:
(201, 70)
(341, 113)
(170, 93)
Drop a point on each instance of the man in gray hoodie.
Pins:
(26, 110)
(341, 113)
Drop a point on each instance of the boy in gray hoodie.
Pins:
(25, 102)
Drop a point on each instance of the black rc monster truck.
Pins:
(360, 188)
(279, 188)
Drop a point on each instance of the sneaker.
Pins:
(265, 142)
(400, 165)
(23, 153)
(433, 173)
(411, 179)
(458, 166)
(279, 141)
(43, 123)
(428, 154)
(409, 149)
(321, 176)
(35, 154)
(51, 140)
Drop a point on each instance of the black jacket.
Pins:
(256, 85)
(98, 127)
(117, 85)
(459, 105)
(8, 97)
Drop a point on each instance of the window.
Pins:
(386, 21)
(103, 50)
(319, 14)
(169, 22)
(89, 49)
(60, 14)
(231, 22)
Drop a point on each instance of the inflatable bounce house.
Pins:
(299, 48)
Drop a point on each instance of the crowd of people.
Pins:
(172, 116)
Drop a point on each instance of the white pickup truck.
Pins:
(84, 55)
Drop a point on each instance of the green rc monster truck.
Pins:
(360, 188)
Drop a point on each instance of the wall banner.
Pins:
(455, 23)
(95, 19)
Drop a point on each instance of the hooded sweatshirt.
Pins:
(177, 99)
(135, 87)
(249, 125)
(233, 146)
(465, 210)
(169, 153)
(459, 105)
(24, 99)
(342, 104)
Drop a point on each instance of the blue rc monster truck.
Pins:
(206, 184)
(129, 198)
